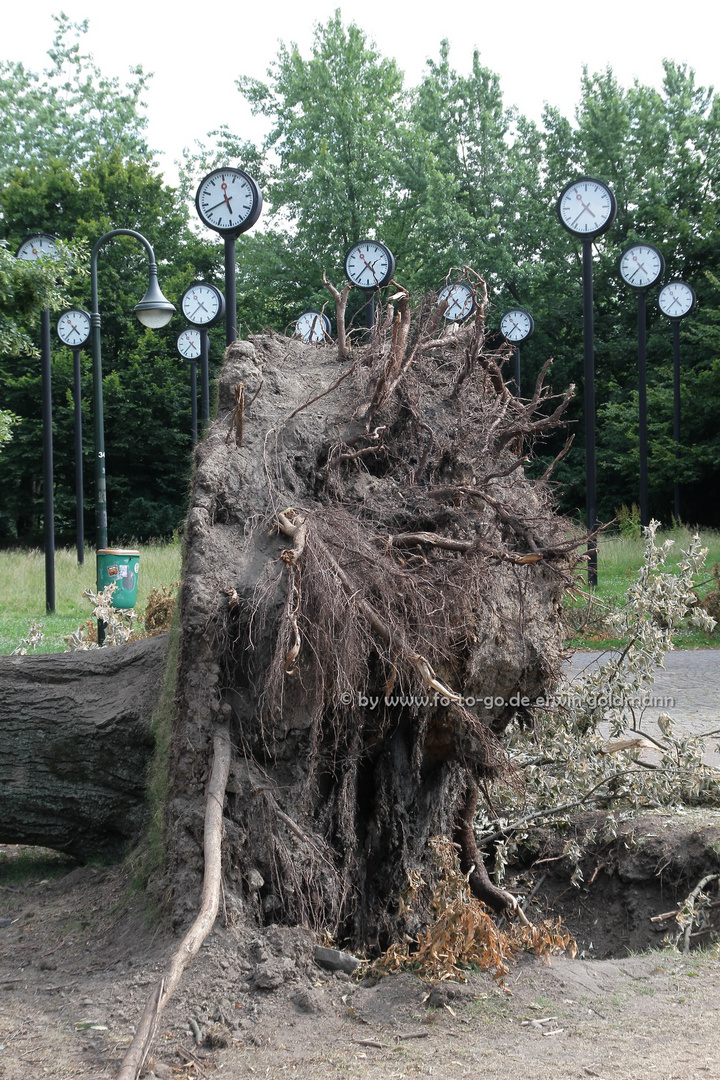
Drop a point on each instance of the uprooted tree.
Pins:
(367, 566)
(371, 584)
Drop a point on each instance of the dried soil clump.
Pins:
(371, 584)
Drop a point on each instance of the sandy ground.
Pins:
(77, 964)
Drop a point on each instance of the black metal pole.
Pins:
(589, 370)
(47, 442)
(676, 413)
(193, 401)
(101, 518)
(370, 310)
(642, 408)
(79, 516)
(230, 292)
(517, 371)
(205, 376)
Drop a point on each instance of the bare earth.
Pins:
(77, 965)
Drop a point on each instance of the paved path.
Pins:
(691, 682)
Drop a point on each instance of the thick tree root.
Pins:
(140, 1046)
(472, 864)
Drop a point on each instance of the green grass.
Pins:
(22, 591)
(21, 865)
(619, 559)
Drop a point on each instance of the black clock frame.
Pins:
(67, 311)
(589, 234)
(531, 331)
(652, 247)
(221, 305)
(387, 277)
(255, 210)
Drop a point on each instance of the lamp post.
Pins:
(153, 311)
(37, 247)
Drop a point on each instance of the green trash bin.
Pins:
(120, 567)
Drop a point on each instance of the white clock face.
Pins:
(201, 304)
(188, 344)
(369, 264)
(228, 200)
(73, 328)
(37, 247)
(516, 325)
(587, 207)
(460, 300)
(676, 299)
(641, 266)
(312, 327)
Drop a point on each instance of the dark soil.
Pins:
(647, 869)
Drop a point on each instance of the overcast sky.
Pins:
(197, 49)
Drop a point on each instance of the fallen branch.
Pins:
(541, 815)
(142, 1042)
(671, 914)
(688, 910)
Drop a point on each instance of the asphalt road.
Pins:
(687, 689)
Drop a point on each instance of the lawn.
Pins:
(22, 591)
(619, 558)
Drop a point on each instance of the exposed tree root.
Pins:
(471, 861)
(140, 1046)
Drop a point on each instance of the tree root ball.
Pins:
(372, 592)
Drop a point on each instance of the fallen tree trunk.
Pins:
(75, 744)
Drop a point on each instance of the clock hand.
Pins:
(585, 207)
(370, 265)
(209, 209)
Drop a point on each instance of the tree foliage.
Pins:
(444, 173)
(89, 173)
(70, 111)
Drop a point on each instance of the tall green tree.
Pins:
(333, 156)
(69, 111)
(76, 164)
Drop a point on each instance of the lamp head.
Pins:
(154, 310)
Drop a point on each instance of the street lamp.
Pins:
(153, 311)
(40, 246)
